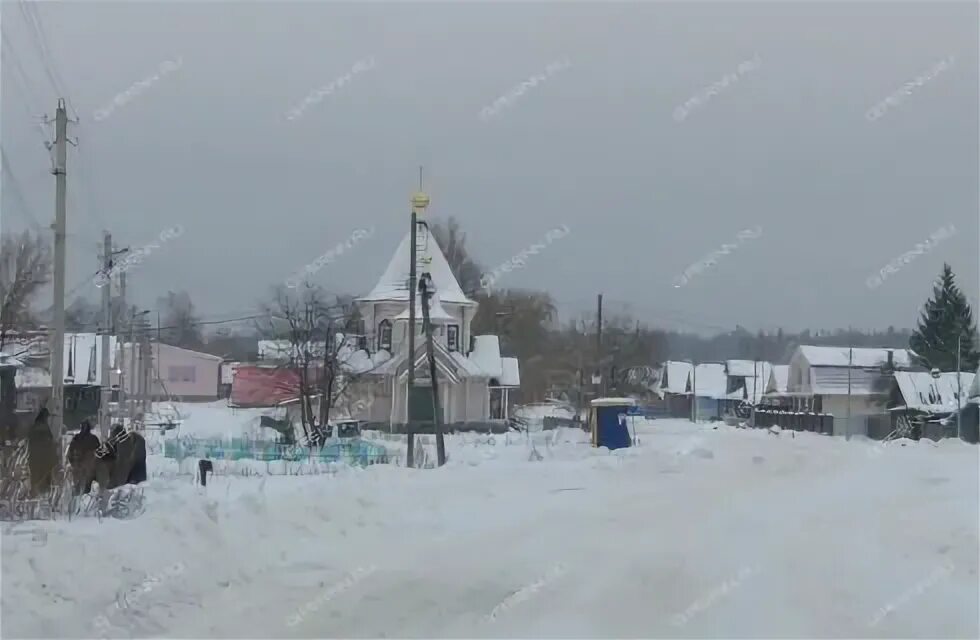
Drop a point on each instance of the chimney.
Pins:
(891, 359)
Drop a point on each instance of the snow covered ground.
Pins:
(697, 532)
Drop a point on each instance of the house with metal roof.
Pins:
(843, 382)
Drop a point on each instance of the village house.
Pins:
(928, 397)
(709, 384)
(8, 396)
(175, 372)
(842, 381)
(673, 387)
(81, 375)
(777, 386)
(746, 382)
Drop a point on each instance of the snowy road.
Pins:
(696, 533)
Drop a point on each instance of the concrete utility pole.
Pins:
(104, 380)
(427, 288)
(56, 405)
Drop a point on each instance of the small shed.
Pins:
(608, 419)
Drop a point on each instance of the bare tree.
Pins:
(319, 346)
(25, 267)
(83, 315)
(452, 241)
(183, 324)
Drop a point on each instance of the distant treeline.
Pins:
(775, 346)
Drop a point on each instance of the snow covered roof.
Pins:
(613, 402)
(486, 355)
(511, 376)
(82, 360)
(7, 360)
(359, 361)
(436, 313)
(711, 380)
(922, 392)
(834, 381)
(32, 377)
(778, 379)
(861, 357)
(675, 376)
(756, 376)
(974, 393)
(467, 365)
(283, 349)
(743, 368)
(483, 362)
(393, 284)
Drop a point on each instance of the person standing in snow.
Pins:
(42, 454)
(81, 457)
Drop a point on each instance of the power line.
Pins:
(14, 185)
(39, 38)
(40, 41)
(30, 100)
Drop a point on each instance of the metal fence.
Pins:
(795, 420)
(354, 451)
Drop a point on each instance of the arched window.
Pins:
(384, 335)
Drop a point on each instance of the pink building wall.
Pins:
(190, 375)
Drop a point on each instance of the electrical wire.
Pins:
(39, 38)
(14, 186)
(30, 100)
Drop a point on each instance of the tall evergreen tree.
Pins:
(946, 317)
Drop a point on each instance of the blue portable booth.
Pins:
(609, 418)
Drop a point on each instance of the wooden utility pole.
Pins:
(427, 288)
(56, 406)
(104, 361)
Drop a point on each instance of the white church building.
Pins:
(474, 381)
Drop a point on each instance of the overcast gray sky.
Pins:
(786, 147)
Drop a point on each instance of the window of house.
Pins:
(452, 337)
(384, 335)
(181, 374)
